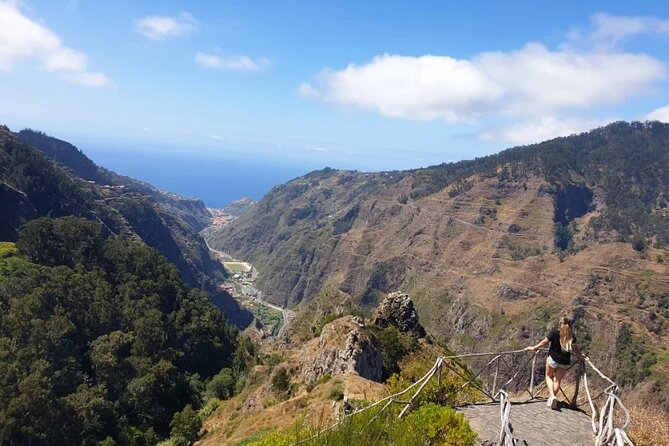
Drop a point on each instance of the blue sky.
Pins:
(369, 85)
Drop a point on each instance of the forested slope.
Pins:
(56, 179)
(101, 342)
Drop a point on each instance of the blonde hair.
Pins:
(566, 335)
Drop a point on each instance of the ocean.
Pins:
(215, 179)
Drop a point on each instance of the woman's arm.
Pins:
(544, 342)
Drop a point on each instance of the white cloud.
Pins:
(307, 91)
(512, 95)
(536, 79)
(608, 30)
(22, 37)
(163, 27)
(89, 79)
(216, 137)
(238, 63)
(423, 88)
(67, 60)
(524, 82)
(660, 114)
(540, 129)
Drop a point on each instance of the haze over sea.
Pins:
(215, 178)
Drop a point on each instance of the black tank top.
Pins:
(555, 350)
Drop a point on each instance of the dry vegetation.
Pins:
(258, 409)
(650, 426)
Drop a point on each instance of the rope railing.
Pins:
(607, 434)
(505, 435)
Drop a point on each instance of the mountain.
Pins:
(43, 176)
(64, 154)
(492, 250)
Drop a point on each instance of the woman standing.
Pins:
(562, 342)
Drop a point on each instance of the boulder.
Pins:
(343, 348)
(397, 310)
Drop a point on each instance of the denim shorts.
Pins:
(556, 365)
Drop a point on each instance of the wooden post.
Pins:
(494, 381)
(534, 363)
(579, 373)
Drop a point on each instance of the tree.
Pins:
(101, 341)
(222, 385)
(185, 426)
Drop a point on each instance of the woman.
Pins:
(562, 342)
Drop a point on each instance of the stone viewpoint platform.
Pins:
(532, 423)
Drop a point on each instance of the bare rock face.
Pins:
(343, 348)
(397, 310)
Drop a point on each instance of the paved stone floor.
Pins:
(533, 423)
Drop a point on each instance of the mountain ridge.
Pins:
(33, 184)
(492, 250)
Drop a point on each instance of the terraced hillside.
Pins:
(491, 250)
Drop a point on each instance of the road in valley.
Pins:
(286, 314)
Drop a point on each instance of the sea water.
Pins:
(216, 179)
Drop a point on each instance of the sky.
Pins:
(373, 85)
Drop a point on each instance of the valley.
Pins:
(334, 223)
(491, 251)
(485, 253)
(273, 320)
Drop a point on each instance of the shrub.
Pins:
(337, 393)
(428, 425)
(209, 407)
(439, 425)
(222, 385)
(273, 360)
(185, 426)
(281, 382)
(639, 242)
(394, 346)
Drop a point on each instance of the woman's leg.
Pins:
(550, 374)
(557, 379)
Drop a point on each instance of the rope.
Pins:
(606, 433)
(505, 435)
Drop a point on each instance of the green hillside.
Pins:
(101, 341)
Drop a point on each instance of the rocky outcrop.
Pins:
(397, 310)
(511, 293)
(343, 348)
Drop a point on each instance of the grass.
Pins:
(271, 319)
(256, 437)
(429, 424)
(237, 267)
